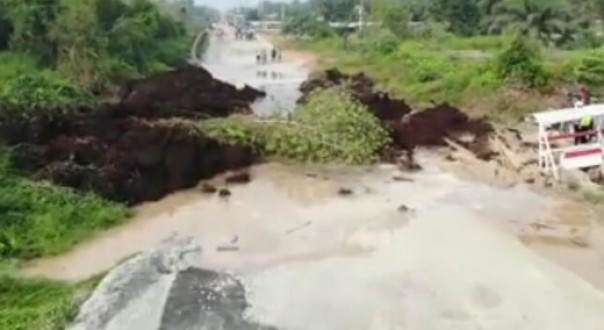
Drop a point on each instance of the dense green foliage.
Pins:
(522, 63)
(556, 22)
(43, 92)
(329, 127)
(96, 43)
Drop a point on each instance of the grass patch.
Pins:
(34, 304)
(41, 219)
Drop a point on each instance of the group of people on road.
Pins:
(262, 56)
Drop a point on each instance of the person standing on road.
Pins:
(274, 54)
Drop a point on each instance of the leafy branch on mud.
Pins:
(329, 127)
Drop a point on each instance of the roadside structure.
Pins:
(555, 150)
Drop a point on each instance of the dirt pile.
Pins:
(186, 90)
(126, 159)
(430, 127)
(135, 150)
(362, 88)
(433, 126)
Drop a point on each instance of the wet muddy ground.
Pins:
(372, 248)
(437, 245)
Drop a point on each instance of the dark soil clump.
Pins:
(223, 192)
(135, 150)
(187, 89)
(239, 177)
(345, 192)
(431, 127)
(207, 188)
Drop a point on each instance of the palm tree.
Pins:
(547, 20)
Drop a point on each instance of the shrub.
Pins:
(12, 65)
(41, 91)
(384, 42)
(521, 62)
(590, 69)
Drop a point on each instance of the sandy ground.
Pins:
(430, 251)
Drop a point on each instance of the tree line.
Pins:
(563, 23)
(93, 43)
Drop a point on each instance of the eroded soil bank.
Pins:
(138, 149)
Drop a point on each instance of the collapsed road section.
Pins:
(138, 149)
(409, 129)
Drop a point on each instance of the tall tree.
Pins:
(543, 19)
(79, 41)
(393, 15)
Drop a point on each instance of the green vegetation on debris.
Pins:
(330, 127)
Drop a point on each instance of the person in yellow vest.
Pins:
(586, 123)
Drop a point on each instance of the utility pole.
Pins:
(361, 14)
(282, 11)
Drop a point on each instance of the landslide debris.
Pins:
(186, 90)
(409, 129)
(138, 149)
(362, 89)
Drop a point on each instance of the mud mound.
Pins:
(188, 88)
(127, 159)
(362, 88)
(431, 127)
(133, 150)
